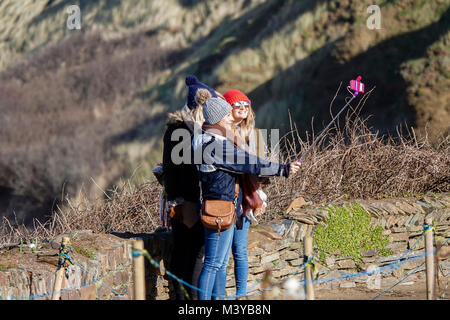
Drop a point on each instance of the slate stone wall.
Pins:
(276, 247)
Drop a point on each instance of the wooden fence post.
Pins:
(429, 259)
(60, 272)
(139, 271)
(308, 246)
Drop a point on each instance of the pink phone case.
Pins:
(356, 85)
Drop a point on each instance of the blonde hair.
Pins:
(248, 131)
(197, 114)
(201, 97)
(248, 124)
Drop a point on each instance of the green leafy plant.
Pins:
(7, 266)
(349, 232)
(85, 252)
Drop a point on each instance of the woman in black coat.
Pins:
(181, 185)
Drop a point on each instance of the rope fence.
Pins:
(73, 288)
(65, 261)
(309, 261)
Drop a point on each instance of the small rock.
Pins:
(271, 235)
(409, 283)
(253, 261)
(301, 232)
(295, 245)
(324, 214)
(445, 203)
(399, 272)
(256, 251)
(369, 253)
(389, 208)
(330, 261)
(283, 272)
(296, 204)
(258, 269)
(401, 221)
(415, 229)
(418, 244)
(398, 237)
(285, 243)
(390, 222)
(270, 257)
(397, 246)
(290, 255)
(279, 228)
(292, 230)
(379, 208)
(253, 244)
(332, 275)
(346, 264)
(268, 246)
(433, 202)
(348, 285)
(413, 220)
(369, 259)
(276, 265)
(296, 262)
(305, 219)
(388, 281)
(425, 206)
(405, 207)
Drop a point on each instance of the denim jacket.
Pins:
(219, 164)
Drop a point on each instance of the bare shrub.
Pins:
(354, 162)
(348, 161)
(60, 108)
(133, 209)
(130, 209)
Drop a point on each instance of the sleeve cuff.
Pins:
(285, 170)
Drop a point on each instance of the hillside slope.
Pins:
(90, 105)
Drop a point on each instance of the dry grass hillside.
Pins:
(85, 109)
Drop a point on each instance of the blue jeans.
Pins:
(239, 249)
(216, 249)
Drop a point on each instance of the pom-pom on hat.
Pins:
(198, 92)
(233, 96)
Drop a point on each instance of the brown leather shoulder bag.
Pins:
(219, 214)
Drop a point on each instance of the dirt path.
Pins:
(407, 290)
(412, 288)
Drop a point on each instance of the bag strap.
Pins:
(236, 190)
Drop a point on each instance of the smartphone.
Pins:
(357, 85)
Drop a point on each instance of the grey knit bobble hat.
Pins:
(214, 109)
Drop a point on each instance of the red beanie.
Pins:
(233, 96)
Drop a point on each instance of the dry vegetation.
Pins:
(349, 161)
(131, 209)
(91, 104)
(64, 109)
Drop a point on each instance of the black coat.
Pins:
(180, 180)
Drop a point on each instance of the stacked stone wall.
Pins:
(276, 247)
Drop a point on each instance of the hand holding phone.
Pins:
(294, 167)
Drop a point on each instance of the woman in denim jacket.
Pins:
(244, 122)
(221, 156)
